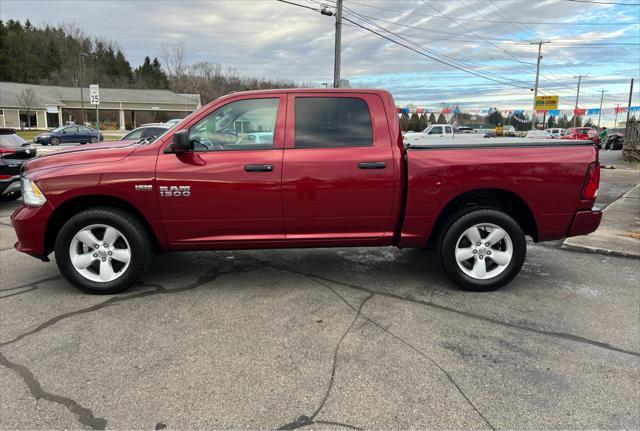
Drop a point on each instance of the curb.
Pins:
(598, 250)
(566, 244)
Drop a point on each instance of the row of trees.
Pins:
(418, 122)
(64, 55)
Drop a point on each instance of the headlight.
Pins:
(31, 194)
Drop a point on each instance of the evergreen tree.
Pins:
(432, 118)
(442, 119)
(150, 74)
(551, 122)
(423, 122)
(404, 121)
(495, 117)
(414, 123)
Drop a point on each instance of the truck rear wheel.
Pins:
(103, 250)
(482, 250)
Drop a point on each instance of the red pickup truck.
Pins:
(302, 168)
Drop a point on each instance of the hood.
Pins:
(90, 153)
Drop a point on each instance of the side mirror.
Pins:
(181, 142)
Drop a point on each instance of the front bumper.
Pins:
(30, 224)
(585, 222)
(10, 186)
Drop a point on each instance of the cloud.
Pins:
(273, 39)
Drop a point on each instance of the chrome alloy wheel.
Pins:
(100, 260)
(484, 251)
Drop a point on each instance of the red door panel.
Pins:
(235, 195)
(331, 193)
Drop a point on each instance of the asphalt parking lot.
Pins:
(324, 339)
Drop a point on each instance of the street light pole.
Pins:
(535, 90)
(336, 61)
(577, 99)
(600, 111)
(81, 58)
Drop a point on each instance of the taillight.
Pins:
(5, 177)
(7, 151)
(591, 185)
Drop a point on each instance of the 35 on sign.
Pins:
(94, 94)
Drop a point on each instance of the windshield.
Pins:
(13, 140)
(58, 129)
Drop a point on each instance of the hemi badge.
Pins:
(143, 187)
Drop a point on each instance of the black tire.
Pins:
(132, 229)
(464, 220)
(54, 141)
(94, 140)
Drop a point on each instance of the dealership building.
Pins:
(52, 106)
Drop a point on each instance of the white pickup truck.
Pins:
(441, 133)
(431, 133)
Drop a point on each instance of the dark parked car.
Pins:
(614, 140)
(14, 151)
(75, 134)
(146, 132)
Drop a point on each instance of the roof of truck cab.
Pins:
(386, 95)
(312, 90)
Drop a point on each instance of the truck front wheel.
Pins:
(103, 250)
(483, 249)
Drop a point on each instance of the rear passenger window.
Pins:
(330, 122)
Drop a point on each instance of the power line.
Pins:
(604, 2)
(495, 21)
(420, 52)
(300, 5)
(407, 46)
(429, 56)
(464, 64)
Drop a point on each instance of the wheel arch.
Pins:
(80, 203)
(504, 200)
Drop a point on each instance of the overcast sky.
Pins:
(491, 37)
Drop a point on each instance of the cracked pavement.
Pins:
(321, 339)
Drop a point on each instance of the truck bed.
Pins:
(546, 176)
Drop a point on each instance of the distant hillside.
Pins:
(56, 55)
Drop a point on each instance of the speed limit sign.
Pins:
(94, 94)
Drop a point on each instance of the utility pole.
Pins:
(81, 60)
(577, 98)
(600, 111)
(626, 125)
(336, 61)
(615, 121)
(535, 90)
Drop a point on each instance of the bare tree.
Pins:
(172, 55)
(27, 102)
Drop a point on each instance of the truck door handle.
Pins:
(372, 165)
(258, 168)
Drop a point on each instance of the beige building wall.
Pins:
(41, 119)
(12, 118)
